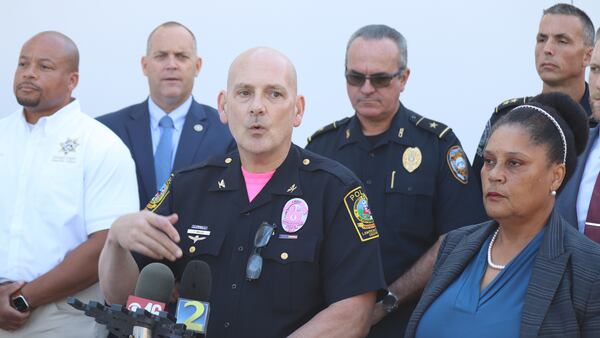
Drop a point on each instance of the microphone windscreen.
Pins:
(196, 281)
(155, 282)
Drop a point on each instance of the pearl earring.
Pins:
(553, 193)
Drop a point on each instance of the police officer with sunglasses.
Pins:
(288, 234)
(415, 171)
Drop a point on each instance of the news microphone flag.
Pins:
(193, 313)
(154, 307)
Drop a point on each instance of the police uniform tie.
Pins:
(164, 151)
(592, 222)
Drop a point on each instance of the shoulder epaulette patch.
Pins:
(431, 126)
(160, 196)
(511, 103)
(329, 127)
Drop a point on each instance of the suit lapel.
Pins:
(548, 269)
(138, 128)
(454, 264)
(191, 139)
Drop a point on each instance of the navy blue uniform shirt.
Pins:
(323, 250)
(418, 182)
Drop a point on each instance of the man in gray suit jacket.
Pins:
(193, 131)
(573, 202)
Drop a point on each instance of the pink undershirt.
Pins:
(255, 182)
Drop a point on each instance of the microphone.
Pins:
(193, 308)
(153, 289)
(152, 292)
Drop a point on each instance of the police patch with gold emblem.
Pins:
(358, 208)
(160, 196)
(457, 161)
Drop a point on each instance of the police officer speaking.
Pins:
(288, 235)
(414, 169)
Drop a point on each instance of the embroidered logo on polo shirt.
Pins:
(65, 148)
(69, 146)
(358, 208)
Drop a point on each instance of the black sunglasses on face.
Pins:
(255, 261)
(378, 80)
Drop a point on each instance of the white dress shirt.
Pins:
(63, 179)
(586, 186)
(177, 115)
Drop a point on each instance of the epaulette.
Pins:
(431, 126)
(511, 103)
(215, 161)
(329, 127)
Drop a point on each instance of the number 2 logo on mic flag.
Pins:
(192, 313)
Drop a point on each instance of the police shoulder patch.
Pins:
(511, 103)
(431, 126)
(457, 161)
(160, 196)
(329, 127)
(358, 209)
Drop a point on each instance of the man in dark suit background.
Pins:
(169, 130)
(576, 202)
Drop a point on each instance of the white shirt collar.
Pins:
(54, 122)
(178, 114)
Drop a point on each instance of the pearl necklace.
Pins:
(489, 253)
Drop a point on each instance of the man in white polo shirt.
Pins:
(65, 178)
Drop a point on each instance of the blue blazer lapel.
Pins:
(454, 264)
(190, 140)
(548, 270)
(138, 128)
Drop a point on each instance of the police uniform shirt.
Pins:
(64, 178)
(417, 179)
(502, 110)
(324, 247)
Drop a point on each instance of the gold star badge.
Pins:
(221, 184)
(433, 125)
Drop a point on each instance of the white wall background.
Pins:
(466, 56)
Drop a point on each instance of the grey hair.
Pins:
(378, 32)
(567, 9)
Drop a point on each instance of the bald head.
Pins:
(263, 58)
(63, 45)
(262, 107)
(47, 74)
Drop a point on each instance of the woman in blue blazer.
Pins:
(527, 272)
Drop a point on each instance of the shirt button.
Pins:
(369, 182)
(234, 286)
(372, 154)
(226, 324)
(240, 248)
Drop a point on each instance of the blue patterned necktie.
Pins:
(164, 151)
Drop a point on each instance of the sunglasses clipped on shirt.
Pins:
(378, 80)
(255, 261)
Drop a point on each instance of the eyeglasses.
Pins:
(261, 239)
(378, 80)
